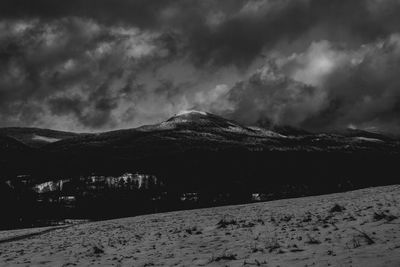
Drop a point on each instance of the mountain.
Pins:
(35, 137)
(200, 130)
(193, 129)
(365, 135)
(10, 145)
(13, 156)
(185, 131)
(193, 154)
(199, 146)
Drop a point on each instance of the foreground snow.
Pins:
(359, 228)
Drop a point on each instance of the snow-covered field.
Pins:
(359, 228)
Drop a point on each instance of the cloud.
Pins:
(224, 31)
(364, 90)
(269, 95)
(325, 88)
(99, 64)
(72, 67)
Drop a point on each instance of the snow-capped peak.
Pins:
(192, 111)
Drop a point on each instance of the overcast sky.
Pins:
(94, 65)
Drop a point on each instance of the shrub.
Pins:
(337, 208)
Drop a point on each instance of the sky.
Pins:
(97, 65)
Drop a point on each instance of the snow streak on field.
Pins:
(359, 228)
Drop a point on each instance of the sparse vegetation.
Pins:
(286, 218)
(296, 250)
(97, 250)
(312, 240)
(355, 243)
(230, 236)
(255, 248)
(369, 240)
(260, 221)
(255, 263)
(225, 257)
(225, 222)
(384, 216)
(248, 225)
(337, 208)
(307, 218)
(272, 244)
(193, 230)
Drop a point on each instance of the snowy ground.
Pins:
(359, 228)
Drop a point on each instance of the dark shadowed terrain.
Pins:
(195, 159)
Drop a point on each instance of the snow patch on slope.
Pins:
(268, 133)
(367, 139)
(45, 139)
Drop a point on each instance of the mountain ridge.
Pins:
(221, 160)
(193, 120)
(194, 128)
(35, 137)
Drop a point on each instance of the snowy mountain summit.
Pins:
(201, 121)
(191, 112)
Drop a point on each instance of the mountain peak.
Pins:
(191, 112)
(192, 116)
(199, 121)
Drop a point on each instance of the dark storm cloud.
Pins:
(325, 88)
(138, 12)
(364, 90)
(229, 31)
(95, 111)
(78, 61)
(103, 64)
(260, 25)
(271, 97)
(100, 114)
